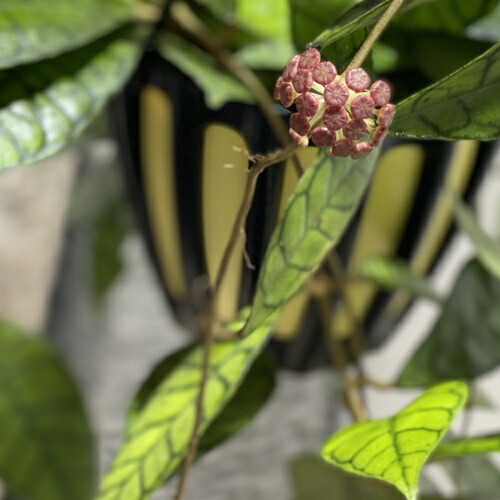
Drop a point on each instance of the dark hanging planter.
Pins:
(166, 133)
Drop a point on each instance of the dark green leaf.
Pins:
(160, 432)
(464, 105)
(467, 446)
(45, 105)
(314, 479)
(316, 215)
(395, 449)
(218, 86)
(46, 450)
(465, 341)
(476, 477)
(445, 16)
(31, 30)
(310, 17)
(360, 16)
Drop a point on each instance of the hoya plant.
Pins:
(317, 97)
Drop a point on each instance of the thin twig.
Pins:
(375, 33)
(208, 318)
(191, 24)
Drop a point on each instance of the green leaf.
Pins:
(488, 28)
(360, 16)
(314, 479)
(310, 17)
(248, 400)
(31, 30)
(264, 18)
(392, 274)
(467, 446)
(46, 105)
(159, 435)
(464, 105)
(317, 213)
(46, 450)
(465, 341)
(219, 87)
(395, 449)
(266, 54)
(445, 16)
(488, 250)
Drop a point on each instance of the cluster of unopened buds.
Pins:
(341, 112)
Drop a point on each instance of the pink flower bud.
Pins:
(300, 140)
(277, 88)
(299, 123)
(291, 69)
(343, 148)
(324, 73)
(355, 129)
(309, 59)
(322, 137)
(362, 149)
(380, 92)
(386, 115)
(336, 95)
(362, 107)
(287, 95)
(335, 119)
(307, 104)
(302, 81)
(357, 79)
(378, 135)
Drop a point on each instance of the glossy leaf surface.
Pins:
(393, 274)
(465, 341)
(218, 87)
(31, 30)
(468, 446)
(159, 434)
(395, 449)
(46, 441)
(464, 105)
(360, 16)
(46, 105)
(450, 16)
(488, 250)
(316, 215)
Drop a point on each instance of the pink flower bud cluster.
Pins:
(340, 112)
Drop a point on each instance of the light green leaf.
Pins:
(360, 16)
(488, 250)
(316, 215)
(488, 28)
(395, 449)
(46, 450)
(248, 400)
(467, 446)
(393, 274)
(31, 30)
(46, 105)
(266, 54)
(218, 86)
(264, 18)
(159, 435)
(465, 341)
(464, 105)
